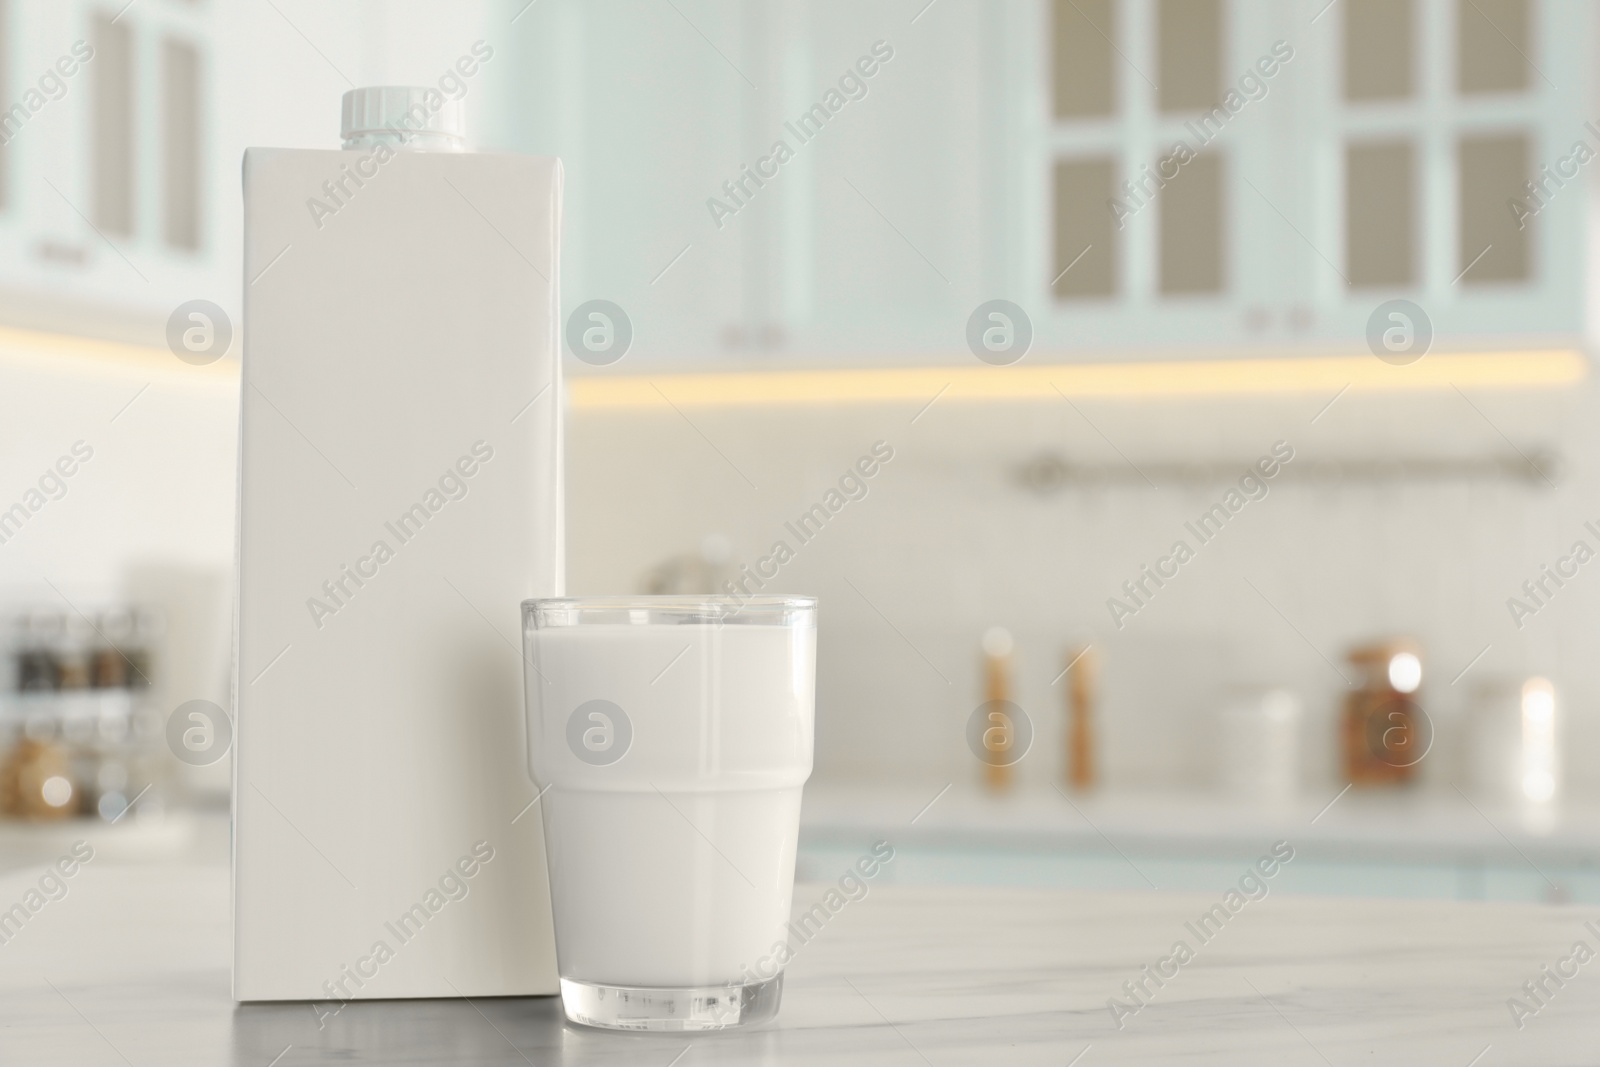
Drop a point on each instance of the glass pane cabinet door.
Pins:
(1160, 163)
(1265, 174)
(1444, 149)
(114, 190)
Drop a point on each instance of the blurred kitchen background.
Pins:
(1400, 608)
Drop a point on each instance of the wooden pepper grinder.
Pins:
(1000, 737)
(1082, 682)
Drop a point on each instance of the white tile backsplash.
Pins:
(948, 542)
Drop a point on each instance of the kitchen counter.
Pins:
(1437, 843)
(1380, 819)
(131, 967)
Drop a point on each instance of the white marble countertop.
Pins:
(131, 968)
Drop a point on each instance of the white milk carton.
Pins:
(399, 495)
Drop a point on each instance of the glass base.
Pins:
(711, 1007)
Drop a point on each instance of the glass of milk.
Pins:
(671, 736)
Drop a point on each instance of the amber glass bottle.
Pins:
(1386, 733)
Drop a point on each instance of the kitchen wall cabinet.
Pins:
(108, 215)
(1363, 151)
(978, 161)
(119, 190)
(816, 209)
(1342, 155)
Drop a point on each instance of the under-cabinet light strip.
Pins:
(1529, 369)
(90, 355)
(1177, 378)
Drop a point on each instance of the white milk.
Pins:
(672, 866)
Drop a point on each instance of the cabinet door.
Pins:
(647, 105)
(1448, 170)
(876, 228)
(845, 182)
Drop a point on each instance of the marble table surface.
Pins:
(131, 968)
